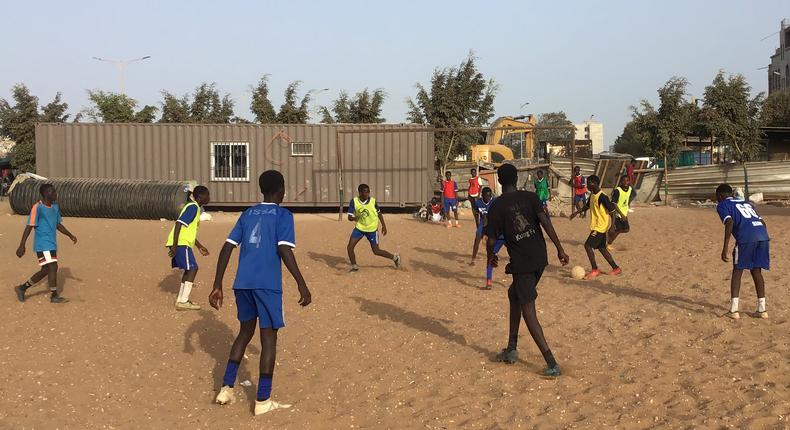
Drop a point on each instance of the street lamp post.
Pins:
(122, 65)
(316, 91)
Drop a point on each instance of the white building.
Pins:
(593, 131)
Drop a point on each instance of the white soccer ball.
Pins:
(578, 272)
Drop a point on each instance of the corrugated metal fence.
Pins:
(772, 178)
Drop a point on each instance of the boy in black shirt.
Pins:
(518, 216)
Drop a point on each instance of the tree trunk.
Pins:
(745, 182)
(447, 155)
(666, 180)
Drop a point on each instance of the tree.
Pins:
(632, 140)
(553, 119)
(776, 110)
(458, 97)
(261, 106)
(18, 123)
(208, 107)
(364, 108)
(290, 113)
(116, 108)
(174, 109)
(732, 115)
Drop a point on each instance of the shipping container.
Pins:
(397, 161)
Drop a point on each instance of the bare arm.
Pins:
(585, 208)
(287, 255)
(25, 234)
(548, 227)
(203, 249)
(728, 225)
(62, 228)
(383, 224)
(215, 298)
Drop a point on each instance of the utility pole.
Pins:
(122, 65)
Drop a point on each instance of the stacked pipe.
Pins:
(105, 198)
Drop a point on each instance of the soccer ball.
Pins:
(578, 272)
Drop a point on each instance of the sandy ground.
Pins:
(400, 349)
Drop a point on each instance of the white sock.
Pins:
(456, 222)
(187, 289)
(180, 293)
(734, 305)
(761, 304)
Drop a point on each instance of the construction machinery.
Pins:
(506, 127)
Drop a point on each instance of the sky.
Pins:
(584, 58)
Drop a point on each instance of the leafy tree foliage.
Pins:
(364, 108)
(114, 107)
(291, 112)
(261, 106)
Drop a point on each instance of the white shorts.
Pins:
(47, 257)
(436, 217)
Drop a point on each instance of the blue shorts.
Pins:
(500, 242)
(582, 198)
(753, 255)
(450, 204)
(265, 305)
(373, 236)
(184, 259)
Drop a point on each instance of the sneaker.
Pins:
(20, 293)
(508, 355)
(552, 372)
(758, 314)
(225, 395)
(733, 315)
(457, 225)
(57, 299)
(187, 306)
(268, 406)
(449, 226)
(354, 268)
(489, 284)
(616, 272)
(396, 260)
(594, 273)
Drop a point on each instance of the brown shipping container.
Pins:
(398, 164)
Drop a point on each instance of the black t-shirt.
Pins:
(515, 215)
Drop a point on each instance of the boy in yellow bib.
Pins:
(366, 213)
(600, 208)
(622, 196)
(183, 236)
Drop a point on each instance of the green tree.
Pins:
(364, 108)
(208, 107)
(733, 116)
(553, 119)
(116, 108)
(18, 123)
(174, 109)
(261, 106)
(632, 140)
(289, 112)
(457, 97)
(776, 110)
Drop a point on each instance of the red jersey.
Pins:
(579, 181)
(449, 188)
(436, 208)
(474, 187)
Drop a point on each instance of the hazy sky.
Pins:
(586, 58)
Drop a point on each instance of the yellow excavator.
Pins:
(524, 124)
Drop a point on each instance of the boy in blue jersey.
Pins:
(183, 236)
(265, 234)
(481, 207)
(751, 250)
(46, 220)
(365, 212)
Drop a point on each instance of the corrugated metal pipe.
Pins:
(105, 198)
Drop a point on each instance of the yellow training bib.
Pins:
(366, 214)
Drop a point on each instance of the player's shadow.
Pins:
(676, 301)
(332, 261)
(171, 283)
(389, 312)
(215, 339)
(448, 255)
(442, 273)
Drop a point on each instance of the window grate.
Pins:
(301, 149)
(230, 161)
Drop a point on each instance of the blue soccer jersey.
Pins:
(747, 225)
(482, 206)
(44, 219)
(258, 232)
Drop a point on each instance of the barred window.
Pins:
(301, 149)
(230, 161)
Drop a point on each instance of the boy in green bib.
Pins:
(366, 213)
(182, 237)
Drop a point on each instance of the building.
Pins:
(592, 131)
(779, 69)
(323, 163)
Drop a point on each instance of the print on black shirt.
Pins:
(515, 216)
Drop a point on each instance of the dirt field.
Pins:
(400, 349)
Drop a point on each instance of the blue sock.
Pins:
(230, 373)
(489, 273)
(264, 387)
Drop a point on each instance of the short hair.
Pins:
(724, 189)
(594, 179)
(200, 190)
(540, 171)
(363, 187)
(508, 174)
(271, 181)
(487, 190)
(44, 188)
(448, 173)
